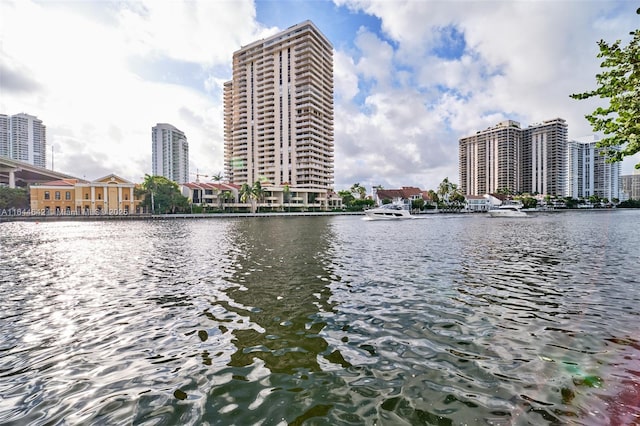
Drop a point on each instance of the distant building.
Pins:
(507, 158)
(406, 195)
(278, 114)
(544, 158)
(589, 173)
(109, 195)
(490, 159)
(630, 186)
(23, 137)
(477, 203)
(169, 153)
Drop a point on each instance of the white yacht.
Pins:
(388, 212)
(508, 210)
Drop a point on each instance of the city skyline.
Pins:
(411, 78)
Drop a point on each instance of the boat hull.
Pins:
(387, 214)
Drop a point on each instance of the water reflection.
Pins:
(280, 273)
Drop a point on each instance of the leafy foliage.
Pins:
(13, 198)
(162, 196)
(629, 204)
(251, 193)
(359, 190)
(620, 83)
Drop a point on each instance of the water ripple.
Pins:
(441, 320)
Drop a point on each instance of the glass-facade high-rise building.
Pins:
(169, 153)
(23, 137)
(278, 112)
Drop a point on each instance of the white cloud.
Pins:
(101, 74)
(98, 110)
(522, 61)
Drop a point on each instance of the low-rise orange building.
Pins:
(110, 195)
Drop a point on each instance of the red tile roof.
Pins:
(61, 182)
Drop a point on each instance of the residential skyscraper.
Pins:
(506, 157)
(544, 158)
(589, 172)
(630, 186)
(23, 137)
(278, 111)
(169, 153)
(489, 160)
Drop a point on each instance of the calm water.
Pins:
(322, 321)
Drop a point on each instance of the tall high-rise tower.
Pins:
(489, 160)
(278, 111)
(23, 137)
(169, 153)
(508, 158)
(589, 173)
(545, 158)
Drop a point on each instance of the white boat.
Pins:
(508, 210)
(388, 212)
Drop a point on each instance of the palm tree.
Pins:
(245, 194)
(286, 192)
(226, 195)
(257, 192)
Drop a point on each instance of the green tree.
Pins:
(226, 196)
(347, 198)
(417, 204)
(620, 83)
(433, 195)
(257, 193)
(444, 190)
(162, 195)
(13, 198)
(528, 202)
(246, 194)
(359, 190)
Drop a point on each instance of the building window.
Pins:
(57, 195)
(67, 195)
(99, 196)
(46, 195)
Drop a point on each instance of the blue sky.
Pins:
(411, 77)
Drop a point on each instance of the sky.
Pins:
(410, 77)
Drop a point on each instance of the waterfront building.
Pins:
(589, 172)
(169, 153)
(489, 160)
(274, 198)
(278, 114)
(211, 194)
(110, 195)
(23, 137)
(477, 203)
(506, 158)
(405, 195)
(630, 186)
(544, 158)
